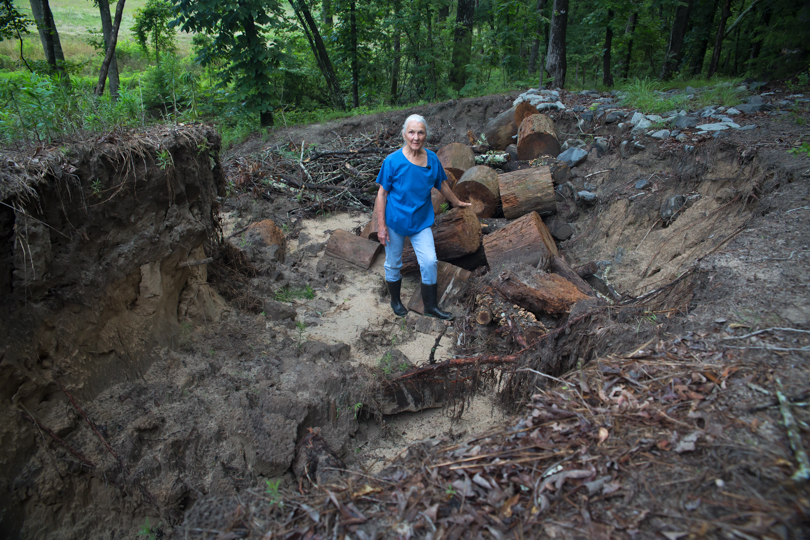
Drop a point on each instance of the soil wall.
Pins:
(92, 238)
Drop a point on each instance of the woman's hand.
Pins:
(382, 235)
(451, 197)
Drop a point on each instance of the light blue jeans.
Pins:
(422, 243)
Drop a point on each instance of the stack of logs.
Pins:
(502, 230)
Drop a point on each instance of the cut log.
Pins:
(501, 130)
(452, 283)
(587, 269)
(523, 110)
(452, 177)
(479, 186)
(561, 268)
(491, 304)
(527, 190)
(525, 240)
(548, 293)
(369, 232)
(457, 157)
(349, 247)
(537, 136)
(455, 233)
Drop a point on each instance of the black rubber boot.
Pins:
(396, 304)
(429, 293)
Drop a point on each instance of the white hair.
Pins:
(415, 118)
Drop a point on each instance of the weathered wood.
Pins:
(561, 268)
(537, 136)
(456, 156)
(349, 247)
(452, 177)
(491, 304)
(455, 234)
(452, 283)
(370, 230)
(547, 293)
(527, 190)
(479, 186)
(587, 269)
(501, 130)
(523, 110)
(525, 240)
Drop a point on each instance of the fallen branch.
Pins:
(802, 474)
(432, 357)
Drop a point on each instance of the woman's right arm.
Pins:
(382, 230)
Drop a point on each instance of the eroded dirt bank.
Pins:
(213, 399)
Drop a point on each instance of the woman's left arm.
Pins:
(450, 196)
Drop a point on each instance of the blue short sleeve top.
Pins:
(408, 208)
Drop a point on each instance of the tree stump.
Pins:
(479, 186)
(452, 282)
(455, 233)
(537, 136)
(525, 240)
(527, 190)
(457, 157)
(344, 245)
(523, 110)
(501, 130)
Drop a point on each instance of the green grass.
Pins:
(287, 294)
(644, 95)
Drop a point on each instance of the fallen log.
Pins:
(370, 230)
(537, 136)
(455, 233)
(525, 240)
(457, 157)
(523, 110)
(452, 282)
(500, 131)
(547, 293)
(479, 186)
(527, 190)
(561, 268)
(587, 269)
(354, 249)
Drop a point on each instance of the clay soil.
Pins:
(660, 420)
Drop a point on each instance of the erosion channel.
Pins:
(182, 354)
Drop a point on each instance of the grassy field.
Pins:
(75, 19)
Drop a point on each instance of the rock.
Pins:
(756, 100)
(578, 108)
(636, 118)
(690, 91)
(512, 151)
(674, 133)
(613, 116)
(718, 134)
(642, 125)
(573, 156)
(706, 112)
(671, 205)
(688, 149)
(315, 350)
(713, 127)
(561, 231)
(749, 127)
(565, 192)
(278, 311)
(660, 134)
(587, 197)
(623, 126)
(624, 149)
(732, 111)
(641, 184)
(587, 116)
(681, 137)
(685, 122)
(654, 118)
(602, 144)
(574, 143)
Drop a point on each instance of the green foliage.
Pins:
(152, 28)
(645, 94)
(148, 531)
(288, 294)
(804, 149)
(12, 22)
(272, 491)
(389, 366)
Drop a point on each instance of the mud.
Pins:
(202, 380)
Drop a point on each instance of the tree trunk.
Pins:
(319, 50)
(537, 136)
(523, 110)
(254, 38)
(718, 42)
(105, 65)
(547, 293)
(675, 47)
(631, 24)
(698, 56)
(397, 46)
(106, 29)
(452, 284)
(326, 15)
(462, 45)
(479, 186)
(349, 247)
(353, 42)
(526, 191)
(455, 233)
(457, 157)
(607, 75)
(561, 268)
(500, 131)
(555, 58)
(526, 240)
(534, 53)
(48, 34)
(765, 20)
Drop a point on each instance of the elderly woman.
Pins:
(404, 209)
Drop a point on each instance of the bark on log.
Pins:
(525, 240)
(456, 156)
(523, 110)
(452, 283)
(479, 186)
(455, 233)
(452, 177)
(587, 269)
(548, 293)
(500, 131)
(527, 190)
(345, 245)
(521, 323)
(537, 136)
(561, 268)
(371, 229)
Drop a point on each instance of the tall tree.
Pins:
(105, 65)
(707, 11)
(304, 17)
(718, 42)
(397, 46)
(106, 31)
(353, 53)
(555, 58)
(462, 43)
(607, 74)
(630, 30)
(534, 52)
(48, 35)
(674, 49)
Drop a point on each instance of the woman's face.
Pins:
(415, 135)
